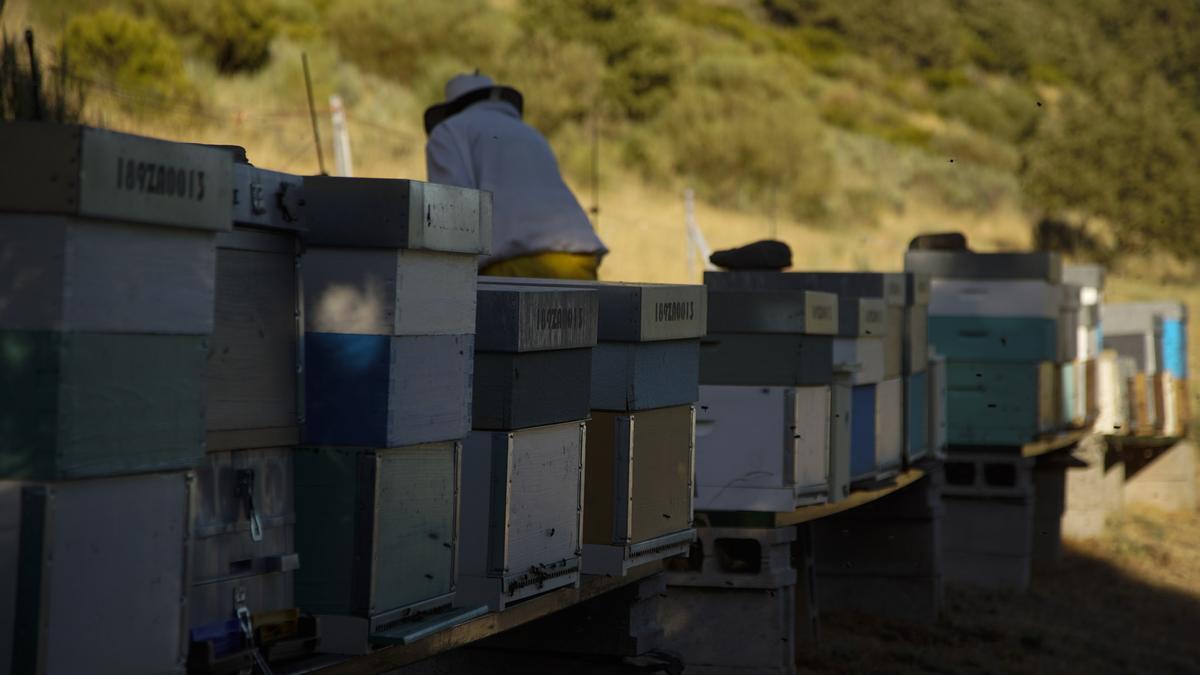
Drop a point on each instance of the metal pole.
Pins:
(312, 112)
(342, 164)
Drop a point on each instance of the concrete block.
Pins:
(1165, 479)
(1091, 495)
(988, 474)
(996, 526)
(732, 557)
(1049, 489)
(733, 630)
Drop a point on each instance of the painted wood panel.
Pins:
(253, 363)
(889, 424)
(916, 415)
(545, 470)
(994, 403)
(974, 338)
(76, 405)
(916, 339)
(376, 528)
(267, 199)
(380, 391)
(862, 432)
(663, 445)
(389, 292)
(96, 173)
(73, 275)
(865, 356)
(766, 360)
(891, 287)
(100, 560)
(633, 376)
(388, 213)
(515, 391)
(234, 489)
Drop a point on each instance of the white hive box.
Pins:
(108, 249)
(865, 357)
(995, 297)
(638, 495)
(94, 573)
(763, 448)
(936, 386)
(522, 513)
(889, 425)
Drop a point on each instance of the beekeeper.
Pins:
(477, 140)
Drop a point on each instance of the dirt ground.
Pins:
(1128, 602)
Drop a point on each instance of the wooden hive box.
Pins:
(254, 361)
(895, 289)
(889, 426)
(983, 338)
(94, 572)
(533, 360)
(780, 311)
(109, 243)
(522, 513)
(377, 531)
(243, 529)
(757, 359)
(638, 496)
(763, 448)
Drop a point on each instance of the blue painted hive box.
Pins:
(994, 338)
(862, 432)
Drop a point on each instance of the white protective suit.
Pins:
(488, 147)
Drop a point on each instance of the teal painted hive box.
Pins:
(994, 338)
(916, 416)
(992, 403)
(1067, 403)
(77, 405)
(376, 530)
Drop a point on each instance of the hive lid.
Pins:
(773, 311)
(106, 175)
(265, 198)
(522, 318)
(1088, 276)
(397, 213)
(1044, 265)
(897, 289)
(634, 312)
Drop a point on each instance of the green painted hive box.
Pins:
(76, 405)
(377, 530)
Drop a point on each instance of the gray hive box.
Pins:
(387, 213)
(93, 575)
(774, 311)
(632, 312)
(1044, 265)
(515, 318)
(767, 359)
(254, 359)
(896, 288)
(529, 389)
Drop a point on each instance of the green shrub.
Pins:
(136, 56)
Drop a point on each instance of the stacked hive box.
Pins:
(995, 318)
(389, 277)
(768, 437)
(1154, 336)
(640, 442)
(108, 243)
(523, 463)
(244, 556)
(1088, 340)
